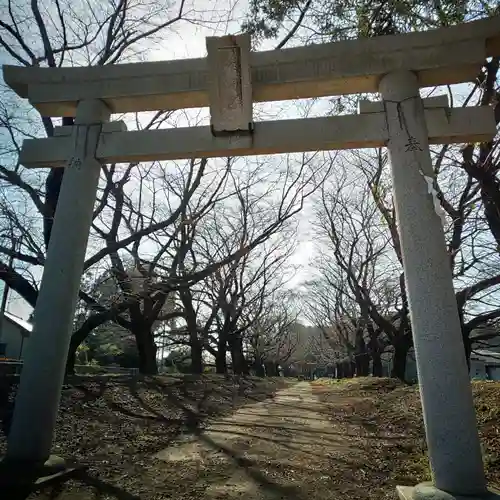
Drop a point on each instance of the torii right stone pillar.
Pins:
(445, 391)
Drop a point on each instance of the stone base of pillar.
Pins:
(426, 491)
(18, 475)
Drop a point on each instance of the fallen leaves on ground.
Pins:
(113, 425)
(369, 436)
(384, 418)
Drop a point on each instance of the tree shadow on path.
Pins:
(54, 488)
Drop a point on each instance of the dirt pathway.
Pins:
(273, 449)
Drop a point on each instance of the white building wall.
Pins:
(12, 336)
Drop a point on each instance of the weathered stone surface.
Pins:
(442, 56)
(230, 87)
(16, 474)
(426, 491)
(367, 106)
(450, 423)
(37, 400)
(312, 134)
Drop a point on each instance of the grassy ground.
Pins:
(383, 417)
(113, 425)
(213, 438)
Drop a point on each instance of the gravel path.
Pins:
(272, 449)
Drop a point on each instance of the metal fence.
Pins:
(10, 367)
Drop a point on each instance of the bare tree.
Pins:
(256, 226)
(271, 337)
(105, 34)
(471, 248)
(347, 301)
(473, 208)
(64, 34)
(44, 34)
(358, 219)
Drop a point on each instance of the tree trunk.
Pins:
(358, 362)
(339, 370)
(362, 359)
(196, 354)
(401, 349)
(238, 359)
(490, 194)
(351, 367)
(6, 403)
(270, 369)
(220, 358)
(465, 332)
(259, 368)
(146, 349)
(375, 351)
(70, 361)
(52, 189)
(147, 359)
(362, 365)
(377, 370)
(195, 344)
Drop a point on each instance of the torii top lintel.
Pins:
(439, 57)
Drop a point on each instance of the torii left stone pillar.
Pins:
(37, 401)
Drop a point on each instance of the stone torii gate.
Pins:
(228, 80)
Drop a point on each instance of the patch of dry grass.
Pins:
(113, 426)
(369, 436)
(487, 399)
(387, 417)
